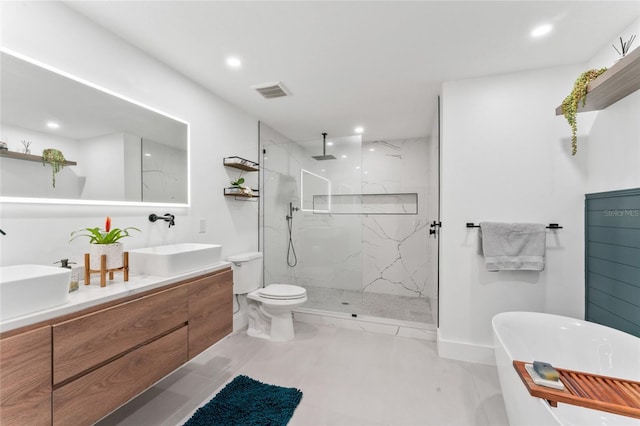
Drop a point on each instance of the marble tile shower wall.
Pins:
(394, 247)
(374, 253)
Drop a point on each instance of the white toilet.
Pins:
(269, 308)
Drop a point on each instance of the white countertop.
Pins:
(91, 295)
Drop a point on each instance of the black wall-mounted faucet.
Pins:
(2, 232)
(168, 217)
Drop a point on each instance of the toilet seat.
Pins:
(282, 292)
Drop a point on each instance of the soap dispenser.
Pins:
(74, 281)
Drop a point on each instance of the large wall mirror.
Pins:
(117, 151)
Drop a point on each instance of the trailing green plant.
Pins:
(56, 159)
(106, 236)
(577, 95)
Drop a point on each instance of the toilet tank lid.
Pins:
(244, 257)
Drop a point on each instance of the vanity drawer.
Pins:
(90, 340)
(25, 378)
(96, 394)
(210, 311)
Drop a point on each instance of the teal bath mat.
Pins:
(248, 402)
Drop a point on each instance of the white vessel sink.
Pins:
(30, 288)
(173, 259)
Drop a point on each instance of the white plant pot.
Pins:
(114, 255)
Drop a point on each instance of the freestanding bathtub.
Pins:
(565, 343)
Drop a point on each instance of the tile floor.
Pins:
(404, 308)
(348, 378)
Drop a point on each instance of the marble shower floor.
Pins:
(348, 377)
(404, 308)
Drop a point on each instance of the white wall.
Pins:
(613, 146)
(506, 157)
(53, 34)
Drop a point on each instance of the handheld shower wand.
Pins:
(292, 258)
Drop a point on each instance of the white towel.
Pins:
(513, 246)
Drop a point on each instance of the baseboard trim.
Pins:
(463, 351)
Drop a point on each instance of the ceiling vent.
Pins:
(272, 90)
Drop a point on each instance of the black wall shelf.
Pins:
(241, 163)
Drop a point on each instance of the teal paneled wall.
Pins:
(612, 259)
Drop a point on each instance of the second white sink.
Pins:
(30, 288)
(173, 259)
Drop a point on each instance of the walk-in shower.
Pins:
(359, 243)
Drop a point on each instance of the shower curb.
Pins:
(413, 330)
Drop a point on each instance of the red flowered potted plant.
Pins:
(104, 242)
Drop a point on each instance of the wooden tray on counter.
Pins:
(610, 394)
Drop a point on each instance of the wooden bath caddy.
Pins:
(617, 396)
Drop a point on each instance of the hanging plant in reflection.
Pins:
(56, 159)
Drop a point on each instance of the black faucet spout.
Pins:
(168, 217)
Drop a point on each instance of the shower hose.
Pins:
(292, 258)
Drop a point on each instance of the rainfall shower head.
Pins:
(324, 155)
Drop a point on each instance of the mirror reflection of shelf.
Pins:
(241, 163)
(29, 157)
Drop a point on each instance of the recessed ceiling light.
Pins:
(357, 167)
(323, 170)
(358, 130)
(541, 30)
(146, 154)
(329, 143)
(53, 125)
(234, 62)
(372, 149)
(343, 156)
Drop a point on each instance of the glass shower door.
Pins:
(303, 242)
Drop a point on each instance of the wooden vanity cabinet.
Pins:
(210, 311)
(76, 369)
(25, 378)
